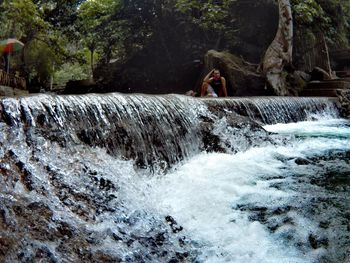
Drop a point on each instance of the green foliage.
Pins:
(46, 43)
(61, 14)
(21, 19)
(39, 60)
(330, 17)
(207, 14)
(99, 30)
(70, 71)
(308, 12)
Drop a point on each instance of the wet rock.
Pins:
(41, 119)
(211, 141)
(281, 210)
(44, 254)
(344, 102)
(302, 161)
(317, 242)
(324, 224)
(288, 220)
(173, 224)
(75, 248)
(116, 237)
(63, 229)
(6, 217)
(257, 213)
(101, 256)
(240, 132)
(17, 170)
(6, 244)
(273, 226)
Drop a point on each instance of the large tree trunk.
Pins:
(279, 53)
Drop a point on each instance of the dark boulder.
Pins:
(298, 80)
(80, 86)
(241, 77)
(319, 74)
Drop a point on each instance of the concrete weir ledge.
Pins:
(263, 108)
(273, 109)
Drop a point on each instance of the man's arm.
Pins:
(207, 77)
(224, 90)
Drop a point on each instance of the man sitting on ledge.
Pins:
(214, 85)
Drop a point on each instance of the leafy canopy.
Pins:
(59, 32)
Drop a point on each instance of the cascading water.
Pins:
(136, 178)
(146, 129)
(289, 109)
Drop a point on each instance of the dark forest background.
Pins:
(155, 46)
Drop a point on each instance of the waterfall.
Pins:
(144, 128)
(149, 129)
(137, 178)
(270, 110)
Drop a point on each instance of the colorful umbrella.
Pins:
(9, 46)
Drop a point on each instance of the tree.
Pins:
(44, 39)
(213, 17)
(312, 18)
(22, 20)
(61, 14)
(279, 53)
(329, 16)
(319, 24)
(91, 14)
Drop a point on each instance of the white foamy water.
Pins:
(203, 194)
(324, 128)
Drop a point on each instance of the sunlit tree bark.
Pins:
(279, 53)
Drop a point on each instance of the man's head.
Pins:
(216, 74)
